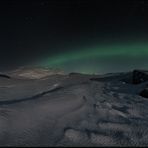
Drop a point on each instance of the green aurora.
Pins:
(101, 58)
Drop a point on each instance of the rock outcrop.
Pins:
(144, 93)
(4, 76)
(140, 76)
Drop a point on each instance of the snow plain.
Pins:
(73, 110)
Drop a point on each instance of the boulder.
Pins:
(144, 93)
(140, 76)
(4, 76)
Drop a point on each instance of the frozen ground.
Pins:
(73, 110)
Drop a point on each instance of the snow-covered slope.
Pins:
(34, 72)
(73, 110)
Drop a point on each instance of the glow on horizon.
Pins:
(135, 50)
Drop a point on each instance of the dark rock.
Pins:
(73, 73)
(144, 93)
(140, 76)
(5, 76)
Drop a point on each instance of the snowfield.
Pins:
(73, 110)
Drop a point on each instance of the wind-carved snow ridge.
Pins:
(55, 87)
(74, 110)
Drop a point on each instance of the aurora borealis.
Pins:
(88, 36)
(101, 59)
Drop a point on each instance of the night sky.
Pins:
(89, 36)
